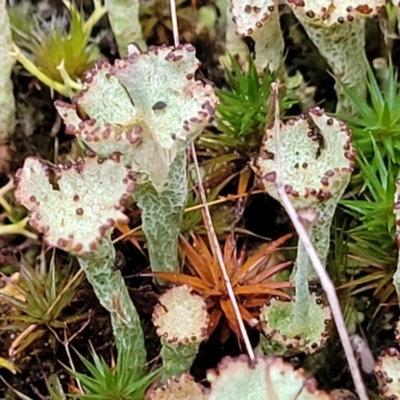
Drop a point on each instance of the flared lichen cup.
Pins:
(181, 320)
(271, 378)
(259, 19)
(387, 371)
(317, 159)
(337, 28)
(149, 108)
(77, 213)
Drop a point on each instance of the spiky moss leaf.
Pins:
(270, 379)
(117, 383)
(55, 45)
(88, 203)
(159, 109)
(276, 318)
(317, 162)
(183, 387)
(181, 320)
(259, 19)
(387, 370)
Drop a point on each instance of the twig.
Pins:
(326, 282)
(218, 253)
(174, 20)
(66, 343)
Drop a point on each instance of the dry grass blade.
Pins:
(196, 260)
(267, 273)
(326, 282)
(257, 258)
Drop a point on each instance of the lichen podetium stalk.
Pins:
(162, 215)
(301, 305)
(7, 101)
(317, 160)
(125, 23)
(110, 289)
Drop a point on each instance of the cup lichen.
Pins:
(78, 218)
(259, 19)
(181, 320)
(337, 28)
(149, 108)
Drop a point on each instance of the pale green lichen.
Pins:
(387, 371)
(125, 23)
(317, 161)
(183, 387)
(149, 108)
(337, 29)
(276, 318)
(181, 320)
(316, 164)
(270, 379)
(234, 45)
(396, 210)
(259, 19)
(78, 218)
(7, 61)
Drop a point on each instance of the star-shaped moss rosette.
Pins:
(387, 371)
(270, 379)
(276, 319)
(181, 387)
(396, 210)
(149, 108)
(181, 320)
(78, 217)
(259, 19)
(337, 29)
